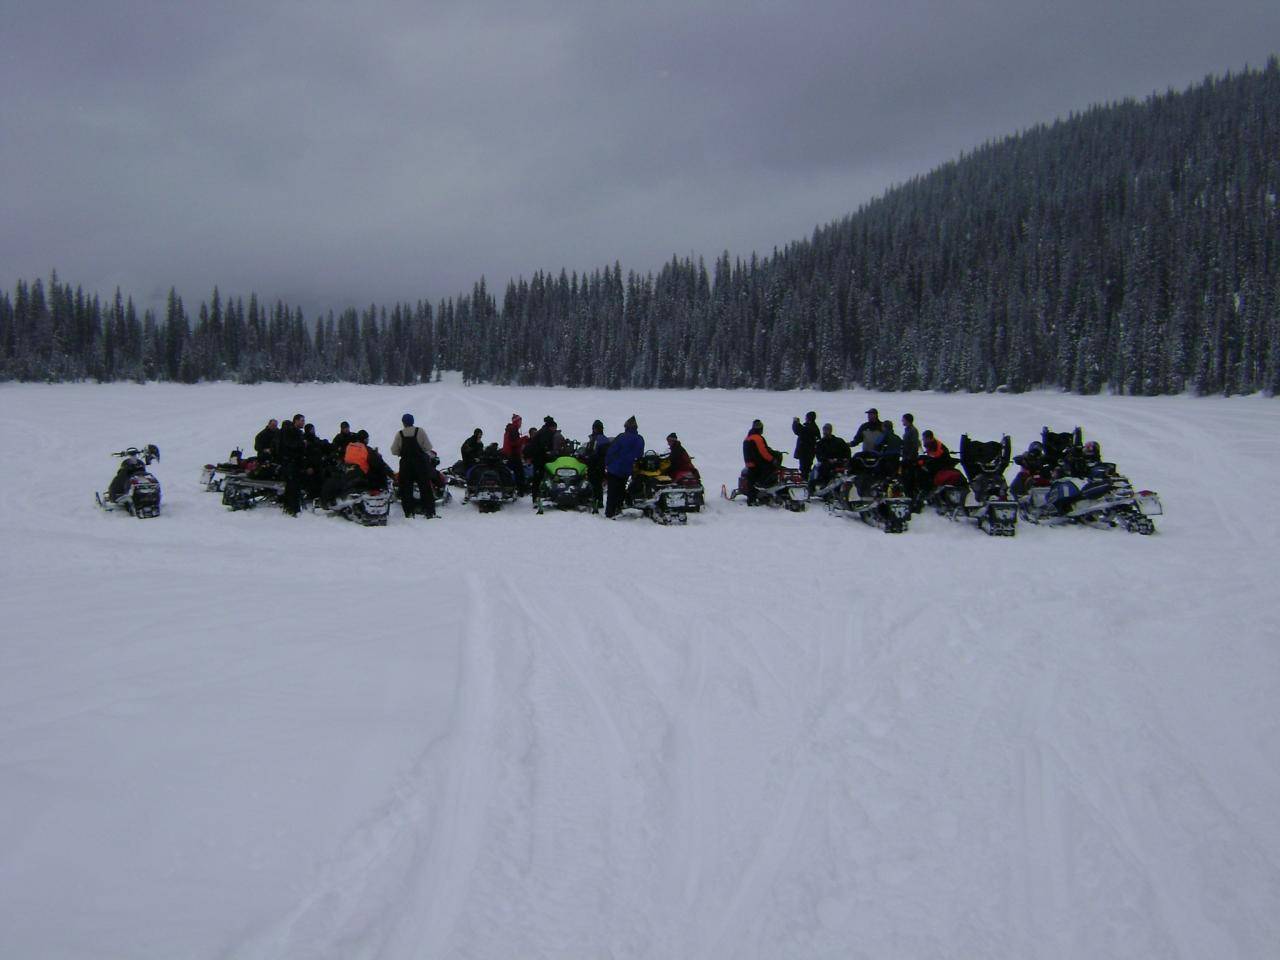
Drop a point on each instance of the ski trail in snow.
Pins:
(401, 877)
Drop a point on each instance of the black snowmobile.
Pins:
(871, 491)
(134, 489)
(1087, 490)
(984, 495)
(489, 484)
(257, 483)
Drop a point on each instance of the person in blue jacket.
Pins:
(624, 450)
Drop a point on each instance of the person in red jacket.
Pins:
(512, 451)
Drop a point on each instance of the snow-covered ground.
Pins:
(762, 735)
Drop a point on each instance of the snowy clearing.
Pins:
(763, 735)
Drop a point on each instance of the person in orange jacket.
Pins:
(761, 461)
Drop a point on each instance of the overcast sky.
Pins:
(339, 153)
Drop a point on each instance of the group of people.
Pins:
(917, 459)
(324, 470)
(608, 462)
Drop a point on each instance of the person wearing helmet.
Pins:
(1034, 470)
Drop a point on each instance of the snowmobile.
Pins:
(258, 483)
(215, 474)
(982, 495)
(871, 491)
(369, 508)
(565, 486)
(660, 497)
(1087, 490)
(784, 487)
(489, 485)
(133, 489)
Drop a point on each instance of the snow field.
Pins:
(761, 735)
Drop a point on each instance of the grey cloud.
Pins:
(335, 153)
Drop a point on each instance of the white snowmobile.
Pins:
(1087, 490)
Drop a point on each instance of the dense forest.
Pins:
(1133, 247)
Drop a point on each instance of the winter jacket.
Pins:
(807, 437)
(266, 443)
(411, 443)
(292, 445)
(833, 448)
(890, 445)
(860, 437)
(755, 452)
(357, 454)
(679, 463)
(624, 450)
(512, 441)
(910, 443)
(471, 450)
(592, 452)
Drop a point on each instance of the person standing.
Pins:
(910, 453)
(412, 445)
(292, 453)
(870, 433)
(620, 459)
(807, 437)
(541, 451)
(592, 454)
(512, 446)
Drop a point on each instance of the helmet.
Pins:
(1035, 447)
(1092, 452)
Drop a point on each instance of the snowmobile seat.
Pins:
(1058, 445)
(979, 457)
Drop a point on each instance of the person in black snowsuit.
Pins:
(413, 447)
(340, 439)
(472, 447)
(540, 452)
(832, 451)
(267, 441)
(292, 455)
(807, 437)
(592, 453)
(315, 461)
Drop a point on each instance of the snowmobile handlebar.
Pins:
(148, 453)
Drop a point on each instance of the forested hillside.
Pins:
(1134, 246)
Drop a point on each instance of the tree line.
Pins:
(1133, 247)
